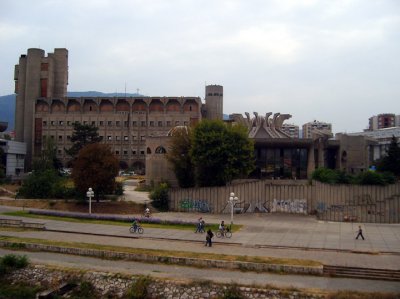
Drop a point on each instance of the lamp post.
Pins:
(232, 200)
(90, 194)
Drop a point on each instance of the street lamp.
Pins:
(90, 194)
(232, 200)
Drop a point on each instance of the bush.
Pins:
(39, 184)
(17, 291)
(325, 175)
(119, 188)
(11, 262)
(159, 195)
(371, 178)
(232, 292)
(138, 290)
(85, 290)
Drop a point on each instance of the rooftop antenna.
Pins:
(137, 91)
(125, 89)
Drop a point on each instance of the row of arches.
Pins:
(72, 105)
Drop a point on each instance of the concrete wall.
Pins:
(378, 204)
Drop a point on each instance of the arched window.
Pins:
(148, 150)
(160, 150)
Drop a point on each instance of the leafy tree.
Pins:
(95, 167)
(48, 158)
(39, 184)
(159, 196)
(179, 156)
(82, 135)
(391, 162)
(221, 153)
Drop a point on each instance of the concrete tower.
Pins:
(214, 102)
(37, 76)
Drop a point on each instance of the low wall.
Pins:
(111, 285)
(377, 204)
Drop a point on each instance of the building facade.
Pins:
(291, 129)
(384, 120)
(44, 111)
(316, 127)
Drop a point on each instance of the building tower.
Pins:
(37, 76)
(214, 102)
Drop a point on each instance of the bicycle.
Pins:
(138, 229)
(225, 233)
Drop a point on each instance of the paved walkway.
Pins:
(291, 236)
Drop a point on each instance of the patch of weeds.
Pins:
(17, 246)
(84, 290)
(139, 289)
(18, 291)
(232, 292)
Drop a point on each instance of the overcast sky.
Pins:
(332, 61)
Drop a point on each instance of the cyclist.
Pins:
(135, 224)
(222, 227)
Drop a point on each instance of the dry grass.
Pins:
(163, 253)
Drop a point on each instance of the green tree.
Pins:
(391, 162)
(221, 153)
(82, 135)
(179, 156)
(95, 167)
(48, 158)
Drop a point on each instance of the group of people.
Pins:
(210, 234)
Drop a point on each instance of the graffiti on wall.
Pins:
(195, 205)
(289, 206)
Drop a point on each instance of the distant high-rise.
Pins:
(384, 120)
(214, 101)
(316, 127)
(291, 129)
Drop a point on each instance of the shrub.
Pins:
(370, 178)
(139, 289)
(85, 290)
(232, 292)
(119, 188)
(39, 184)
(325, 175)
(18, 291)
(159, 195)
(11, 262)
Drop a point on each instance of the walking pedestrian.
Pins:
(360, 234)
(209, 236)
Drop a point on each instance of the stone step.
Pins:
(368, 273)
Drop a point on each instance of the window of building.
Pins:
(133, 137)
(117, 123)
(160, 150)
(101, 123)
(160, 123)
(53, 123)
(44, 123)
(142, 152)
(143, 123)
(68, 123)
(85, 122)
(68, 137)
(109, 123)
(209, 94)
(59, 152)
(125, 152)
(126, 138)
(142, 137)
(151, 123)
(60, 138)
(185, 123)
(117, 152)
(52, 136)
(148, 151)
(126, 123)
(168, 123)
(60, 123)
(117, 138)
(133, 152)
(93, 123)
(134, 123)
(109, 137)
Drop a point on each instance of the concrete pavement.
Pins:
(291, 236)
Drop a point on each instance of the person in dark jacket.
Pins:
(209, 236)
(360, 234)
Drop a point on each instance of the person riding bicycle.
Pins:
(135, 224)
(222, 228)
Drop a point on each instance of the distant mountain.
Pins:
(7, 110)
